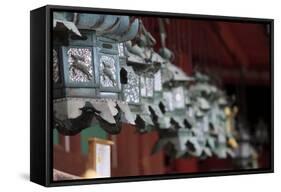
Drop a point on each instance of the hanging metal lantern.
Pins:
(145, 66)
(175, 134)
(219, 125)
(246, 154)
(86, 75)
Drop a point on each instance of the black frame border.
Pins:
(47, 179)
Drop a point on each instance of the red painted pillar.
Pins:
(186, 165)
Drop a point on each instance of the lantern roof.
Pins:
(116, 27)
(143, 58)
(141, 55)
(200, 77)
(60, 22)
(173, 73)
(140, 52)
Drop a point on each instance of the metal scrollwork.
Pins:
(75, 125)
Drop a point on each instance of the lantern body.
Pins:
(86, 66)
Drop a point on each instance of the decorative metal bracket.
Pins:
(110, 118)
(76, 125)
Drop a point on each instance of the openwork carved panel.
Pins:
(158, 81)
(80, 64)
(178, 98)
(131, 90)
(107, 69)
(56, 75)
(147, 86)
(142, 86)
(149, 82)
(168, 99)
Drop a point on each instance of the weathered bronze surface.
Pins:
(105, 70)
